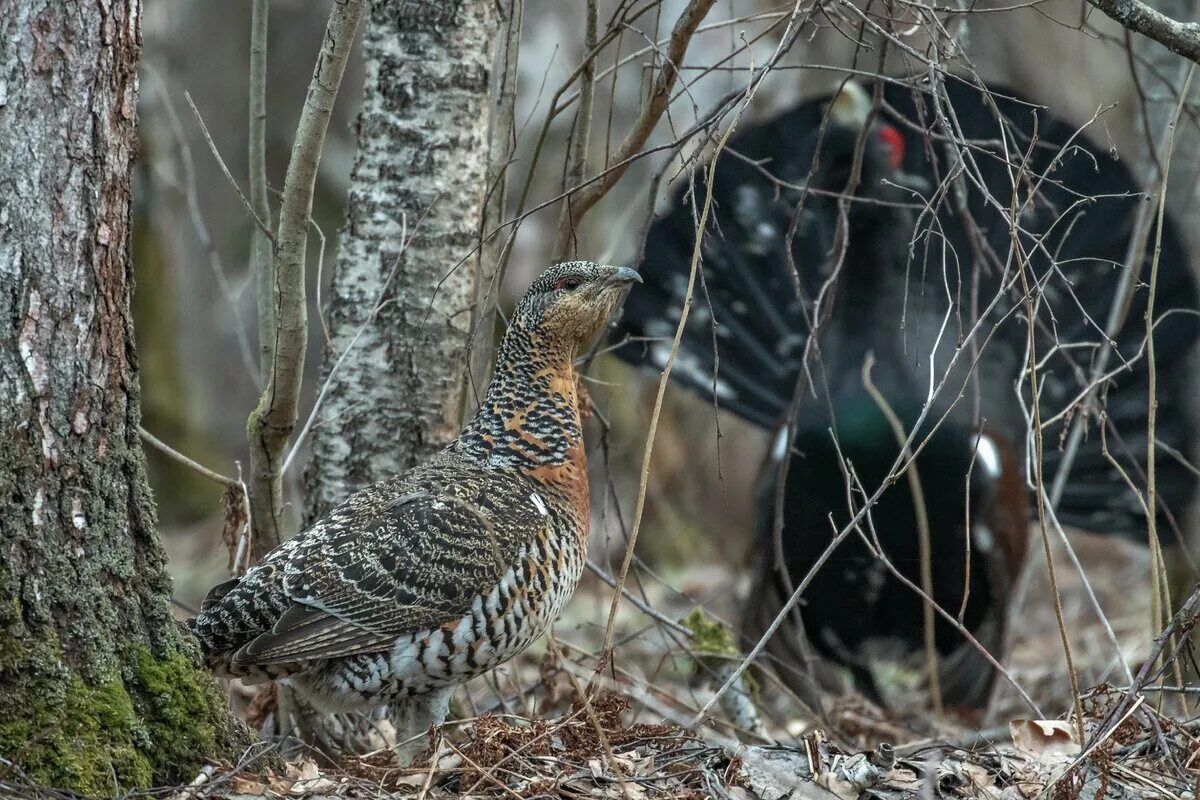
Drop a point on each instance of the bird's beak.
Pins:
(625, 276)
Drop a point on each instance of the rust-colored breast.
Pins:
(567, 479)
(567, 482)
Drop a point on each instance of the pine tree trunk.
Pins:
(419, 172)
(99, 685)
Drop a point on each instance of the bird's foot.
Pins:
(418, 723)
(409, 752)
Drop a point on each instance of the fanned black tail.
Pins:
(775, 206)
(746, 332)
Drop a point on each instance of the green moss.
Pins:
(183, 712)
(158, 725)
(64, 732)
(709, 635)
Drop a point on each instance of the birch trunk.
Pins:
(419, 171)
(99, 686)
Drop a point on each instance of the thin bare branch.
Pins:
(658, 400)
(502, 142)
(272, 423)
(1181, 38)
(577, 158)
(261, 238)
(212, 146)
(171, 452)
(652, 109)
(925, 551)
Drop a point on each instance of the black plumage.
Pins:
(900, 255)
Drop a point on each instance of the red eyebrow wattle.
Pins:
(895, 145)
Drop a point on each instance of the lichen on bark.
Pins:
(158, 719)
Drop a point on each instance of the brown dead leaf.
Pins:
(1044, 738)
(249, 786)
(835, 784)
(279, 784)
(982, 780)
(906, 779)
(235, 518)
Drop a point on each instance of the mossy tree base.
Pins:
(158, 721)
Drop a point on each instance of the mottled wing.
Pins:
(419, 563)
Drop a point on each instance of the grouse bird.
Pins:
(853, 219)
(424, 580)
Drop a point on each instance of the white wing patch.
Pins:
(983, 538)
(780, 447)
(988, 455)
(539, 504)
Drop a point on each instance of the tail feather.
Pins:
(746, 332)
(1086, 206)
(734, 347)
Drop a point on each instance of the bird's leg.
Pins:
(412, 717)
(331, 734)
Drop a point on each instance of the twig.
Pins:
(637, 602)
(1161, 593)
(192, 201)
(1118, 311)
(666, 374)
(1035, 403)
(261, 239)
(650, 112)
(273, 421)
(241, 555)
(380, 302)
(212, 146)
(502, 142)
(171, 452)
(577, 159)
(1181, 38)
(320, 279)
(925, 552)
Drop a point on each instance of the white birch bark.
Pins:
(422, 147)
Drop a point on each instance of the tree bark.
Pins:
(100, 690)
(419, 172)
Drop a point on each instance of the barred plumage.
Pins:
(419, 582)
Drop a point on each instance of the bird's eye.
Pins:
(568, 284)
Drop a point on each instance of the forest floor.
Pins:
(523, 732)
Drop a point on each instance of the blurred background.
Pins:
(195, 300)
